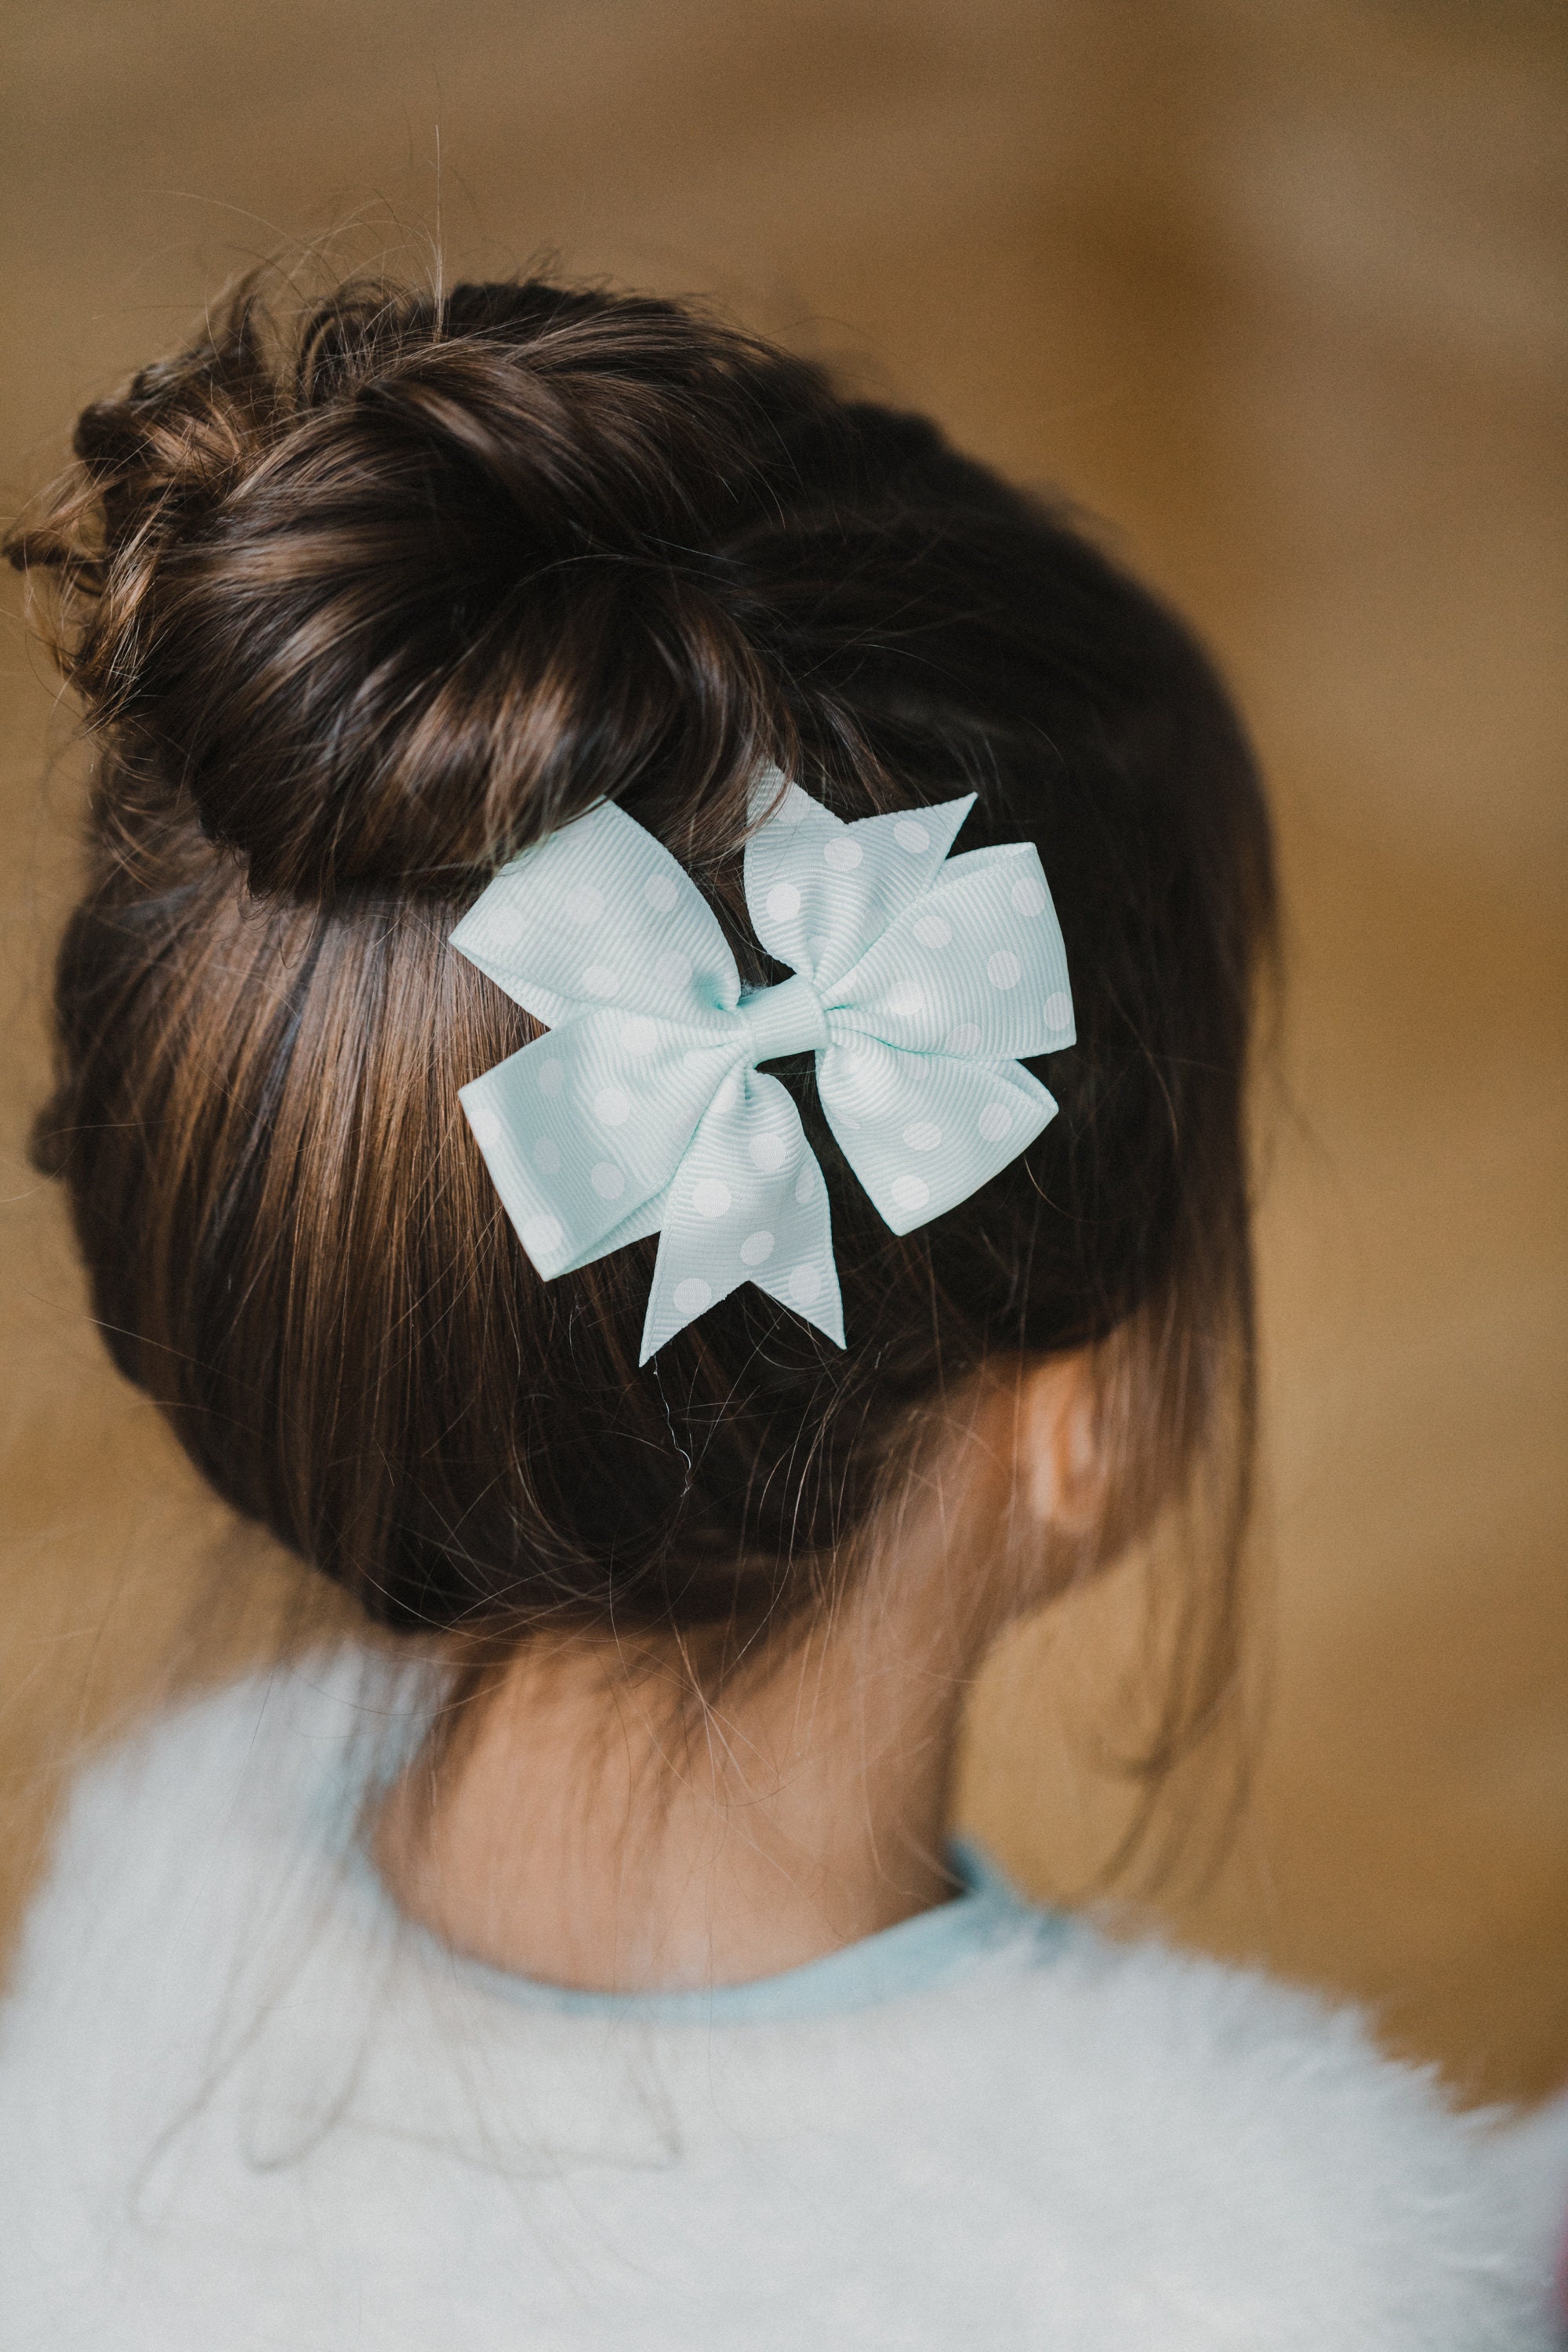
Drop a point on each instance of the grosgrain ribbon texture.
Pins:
(917, 979)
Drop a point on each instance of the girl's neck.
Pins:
(604, 1829)
(600, 1828)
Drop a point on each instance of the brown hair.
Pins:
(360, 606)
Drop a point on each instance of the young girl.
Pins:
(600, 847)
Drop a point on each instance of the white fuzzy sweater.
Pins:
(243, 2105)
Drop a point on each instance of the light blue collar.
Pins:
(909, 1959)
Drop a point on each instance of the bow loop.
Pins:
(923, 1133)
(976, 969)
(916, 979)
(600, 913)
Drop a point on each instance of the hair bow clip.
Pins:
(917, 979)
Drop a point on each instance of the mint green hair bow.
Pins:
(917, 980)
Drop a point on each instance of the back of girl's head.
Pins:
(360, 607)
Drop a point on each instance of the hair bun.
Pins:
(394, 597)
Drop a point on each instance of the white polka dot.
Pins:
(541, 1237)
(805, 1183)
(709, 1198)
(911, 835)
(757, 1247)
(804, 1285)
(673, 971)
(783, 902)
(607, 1179)
(726, 1094)
(612, 1105)
(487, 1127)
(639, 1035)
(795, 806)
(600, 980)
(995, 1121)
(911, 1191)
(817, 946)
(768, 1152)
(552, 1078)
(692, 1295)
(923, 1136)
(933, 931)
(583, 904)
(661, 891)
(905, 996)
(843, 853)
(965, 1039)
(1058, 1010)
(547, 1156)
(1003, 970)
(1029, 897)
(509, 927)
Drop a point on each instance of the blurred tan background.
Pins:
(1277, 290)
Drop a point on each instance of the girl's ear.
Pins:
(1060, 1469)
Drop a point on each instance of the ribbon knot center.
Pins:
(788, 1019)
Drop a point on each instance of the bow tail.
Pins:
(748, 1204)
(802, 1273)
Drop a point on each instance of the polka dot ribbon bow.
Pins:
(916, 978)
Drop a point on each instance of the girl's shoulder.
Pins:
(1257, 2126)
(177, 1847)
(1214, 2137)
